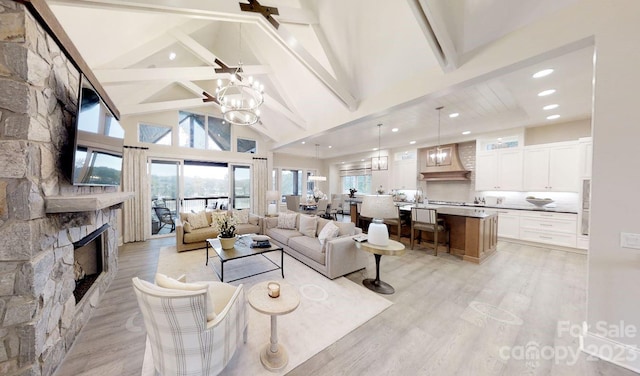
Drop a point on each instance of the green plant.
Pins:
(225, 225)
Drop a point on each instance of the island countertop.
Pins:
(473, 212)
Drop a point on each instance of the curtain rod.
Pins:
(136, 147)
(261, 158)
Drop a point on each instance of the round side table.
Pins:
(394, 248)
(274, 356)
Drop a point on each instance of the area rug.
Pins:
(329, 309)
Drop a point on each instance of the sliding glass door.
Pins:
(241, 186)
(165, 191)
(192, 186)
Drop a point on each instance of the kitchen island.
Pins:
(473, 231)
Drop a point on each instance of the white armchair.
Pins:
(182, 341)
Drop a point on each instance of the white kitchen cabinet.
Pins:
(551, 167)
(508, 224)
(405, 174)
(585, 151)
(550, 228)
(499, 170)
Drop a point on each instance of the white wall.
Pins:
(614, 272)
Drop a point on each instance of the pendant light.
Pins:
(439, 156)
(317, 177)
(377, 163)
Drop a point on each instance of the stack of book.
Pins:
(260, 244)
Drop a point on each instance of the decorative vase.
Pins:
(316, 198)
(227, 243)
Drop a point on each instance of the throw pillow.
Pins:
(214, 216)
(346, 228)
(308, 226)
(186, 227)
(170, 283)
(329, 231)
(242, 216)
(198, 220)
(287, 221)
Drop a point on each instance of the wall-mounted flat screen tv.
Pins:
(97, 157)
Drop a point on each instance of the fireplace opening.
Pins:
(88, 262)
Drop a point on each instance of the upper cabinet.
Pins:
(552, 167)
(499, 170)
(585, 151)
(405, 170)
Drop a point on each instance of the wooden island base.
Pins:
(473, 232)
(475, 239)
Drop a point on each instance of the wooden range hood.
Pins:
(449, 169)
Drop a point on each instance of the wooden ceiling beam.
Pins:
(230, 11)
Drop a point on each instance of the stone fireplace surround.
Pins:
(39, 318)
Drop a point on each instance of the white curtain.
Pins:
(260, 182)
(136, 212)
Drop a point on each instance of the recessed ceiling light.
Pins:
(550, 107)
(394, 129)
(374, 149)
(542, 73)
(412, 142)
(330, 146)
(454, 115)
(552, 117)
(342, 162)
(362, 160)
(304, 142)
(466, 132)
(172, 56)
(546, 92)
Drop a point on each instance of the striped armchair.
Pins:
(182, 341)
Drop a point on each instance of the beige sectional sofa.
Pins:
(337, 257)
(195, 238)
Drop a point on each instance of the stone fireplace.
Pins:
(88, 259)
(39, 315)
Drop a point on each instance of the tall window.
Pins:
(206, 185)
(154, 134)
(291, 183)
(310, 184)
(362, 183)
(203, 132)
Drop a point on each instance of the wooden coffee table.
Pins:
(241, 250)
(274, 356)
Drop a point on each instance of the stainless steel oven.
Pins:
(585, 195)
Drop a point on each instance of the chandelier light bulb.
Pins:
(219, 83)
(258, 112)
(233, 77)
(250, 79)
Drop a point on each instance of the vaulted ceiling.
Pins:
(332, 69)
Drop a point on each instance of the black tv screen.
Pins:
(97, 158)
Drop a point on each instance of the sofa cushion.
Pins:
(198, 220)
(254, 219)
(346, 228)
(216, 217)
(242, 216)
(309, 247)
(287, 221)
(170, 283)
(282, 235)
(329, 231)
(308, 226)
(247, 228)
(321, 223)
(186, 226)
(199, 235)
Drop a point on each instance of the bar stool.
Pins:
(424, 219)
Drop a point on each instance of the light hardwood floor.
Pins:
(439, 323)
